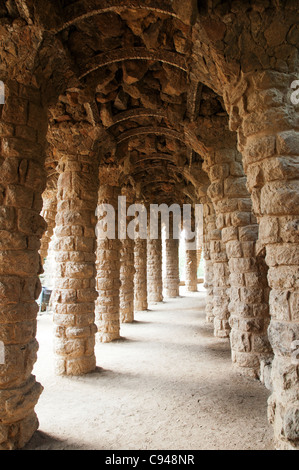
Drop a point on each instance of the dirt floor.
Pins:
(167, 384)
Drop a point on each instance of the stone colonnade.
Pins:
(240, 290)
(235, 254)
(94, 295)
(268, 141)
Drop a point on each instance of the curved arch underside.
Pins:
(134, 53)
(85, 9)
(144, 94)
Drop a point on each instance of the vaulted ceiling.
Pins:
(133, 88)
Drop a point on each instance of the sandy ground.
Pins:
(167, 384)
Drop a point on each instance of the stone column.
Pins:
(248, 294)
(127, 270)
(220, 285)
(209, 226)
(49, 214)
(172, 280)
(191, 261)
(23, 124)
(199, 248)
(140, 278)
(217, 273)
(108, 271)
(269, 141)
(74, 294)
(154, 267)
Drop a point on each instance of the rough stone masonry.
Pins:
(188, 102)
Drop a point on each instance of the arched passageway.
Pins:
(124, 106)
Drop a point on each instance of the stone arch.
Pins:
(75, 14)
(137, 53)
(246, 54)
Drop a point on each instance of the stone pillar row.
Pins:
(23, 124)
(116, 281)
(239, 283)
(269, 141)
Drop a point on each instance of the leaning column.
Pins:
(127, 269)
(23, 123)
(269, 141)
(154, 266)
(108, 268)
(74, 294)
(140, 260)
(209, 225)
(237, 230)
(140, 278)
(191, 259)
(172, 279)
(49, 214)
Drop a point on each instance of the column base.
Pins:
(155, 298)
(107, 337)
(18, 419)
(246, 364)
(172, 294)
(140, 306)
(191, 288)
(17, 435)
(221, 328)
(75, 367)
(127, 317)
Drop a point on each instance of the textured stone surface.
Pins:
(75, 289)
(191, 257)
(49, 214)
(172, 277)
(108, 274)
(184, 102)
(22, 181)
(272, 182)
(154, 268)
(140, 277)
(127, 269)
